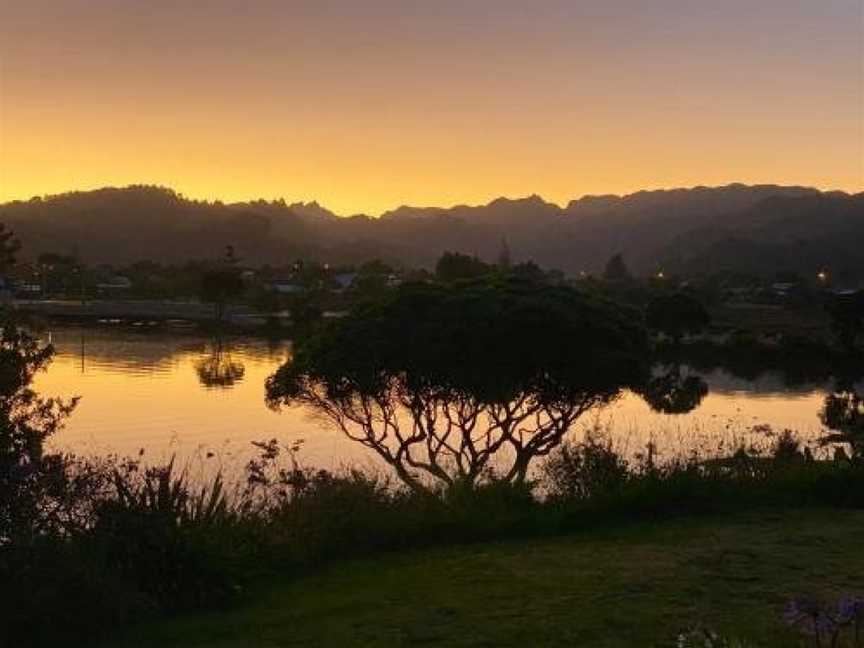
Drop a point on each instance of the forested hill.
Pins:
(760, 229)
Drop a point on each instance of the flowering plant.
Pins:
(828, 625)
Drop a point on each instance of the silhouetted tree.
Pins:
(616, 269)
(375, 267)
(28, 474)
(9, 247)
(453, 266)
(677, 315)
(222, 284)
(371, 280)
(847, 318)
(529, 271)
(307, 309)
(219, 287)
(443, 381)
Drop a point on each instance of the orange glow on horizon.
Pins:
(365, 109)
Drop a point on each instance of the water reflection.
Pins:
(843, 411)
(144, 390)
(218, 369)
(131, 353)
(675, 390)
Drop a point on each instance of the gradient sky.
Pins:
(364, 105)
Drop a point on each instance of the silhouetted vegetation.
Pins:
(111, 540)
(466, 384)
(847, 318)
(677, 315)
(29, 475)
(448, 378)
(222, 284)
(760, 231)
(453, 266)
(617, 270)
(9, 247)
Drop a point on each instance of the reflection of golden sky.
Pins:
(365, 109)
(143, 392)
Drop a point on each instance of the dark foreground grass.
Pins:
(638, 585)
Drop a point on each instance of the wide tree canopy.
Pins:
(438, 379)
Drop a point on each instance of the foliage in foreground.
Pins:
(86, 546)
(156, 543)
(824, 624)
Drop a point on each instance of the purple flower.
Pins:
(850, 608)
(808, 617)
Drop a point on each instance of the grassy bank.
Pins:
(636, 585)
(154, 546)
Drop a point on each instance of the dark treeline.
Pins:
(763, 230)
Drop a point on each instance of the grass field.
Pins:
(633, 586)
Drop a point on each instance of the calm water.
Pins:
(179, 394)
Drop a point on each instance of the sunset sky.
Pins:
(364, 105)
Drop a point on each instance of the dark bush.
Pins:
(181, 547)
(582, 471)
(57, 592)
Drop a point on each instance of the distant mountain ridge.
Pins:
(674, 229)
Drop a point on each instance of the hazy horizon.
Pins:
(367, 106)
(446, 206)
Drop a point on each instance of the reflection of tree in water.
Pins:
(218, 369)
(843, 412)
(675, 391)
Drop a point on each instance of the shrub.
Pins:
(582, 471)
(329, 515)
(30, 477)
(180, 546)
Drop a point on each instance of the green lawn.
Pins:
(637, 586)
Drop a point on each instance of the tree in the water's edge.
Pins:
(453, 384)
